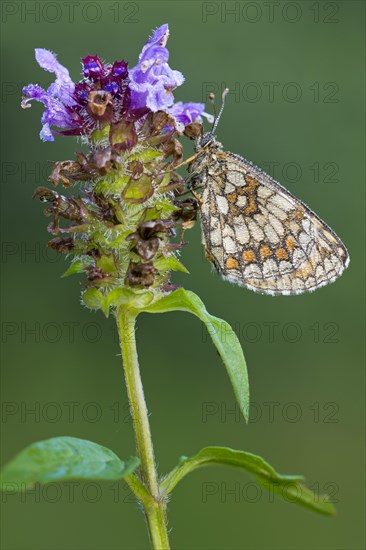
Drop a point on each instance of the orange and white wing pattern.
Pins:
(259, 235)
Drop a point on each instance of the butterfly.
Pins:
(254, 231)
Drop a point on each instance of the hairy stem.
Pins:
(154, 505)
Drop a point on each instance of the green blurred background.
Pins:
(297, 71)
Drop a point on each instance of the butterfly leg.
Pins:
(190, 188)
(197, 197)
(208, 254)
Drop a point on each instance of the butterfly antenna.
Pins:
(211, 98)
(216, 121)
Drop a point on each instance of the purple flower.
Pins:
(69, 106)
(152, 80)
(57, 98)
(185, 113)
(93, 68)
(110, 94)
(63, 86)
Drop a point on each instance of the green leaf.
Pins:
(76, 267)
(289, 487)
(171, 263)
(222, 335)
(64, 458)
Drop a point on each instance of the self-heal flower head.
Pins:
(109, 95)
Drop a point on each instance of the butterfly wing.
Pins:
(259, 235)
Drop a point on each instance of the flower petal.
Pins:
(63, 87)
(56, 112)
(185, 113)
(46, 133)
(33, 91)
(159, 99)
(93, 68)
(152, 80)
(160, 37)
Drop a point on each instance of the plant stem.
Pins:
(154, 506)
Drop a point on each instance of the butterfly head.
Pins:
(207, 140)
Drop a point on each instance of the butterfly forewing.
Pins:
(256, 233)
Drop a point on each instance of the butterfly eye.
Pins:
(206, 139)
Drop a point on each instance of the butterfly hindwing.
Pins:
(257, 234)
